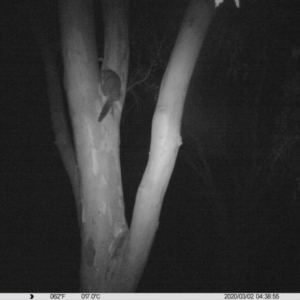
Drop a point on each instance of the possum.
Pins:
(110, 83)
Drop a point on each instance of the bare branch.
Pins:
(141, 80)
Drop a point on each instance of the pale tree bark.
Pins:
(165, 139)
(113, 257)
(103, 225)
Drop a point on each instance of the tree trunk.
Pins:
(113, 258)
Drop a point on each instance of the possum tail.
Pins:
(105, 109)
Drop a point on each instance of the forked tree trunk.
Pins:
(113, 257)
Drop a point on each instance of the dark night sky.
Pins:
(39, 231)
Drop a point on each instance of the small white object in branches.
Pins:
(237, 2)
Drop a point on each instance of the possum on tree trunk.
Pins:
(111, 88)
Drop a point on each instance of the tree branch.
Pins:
(55, 94)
